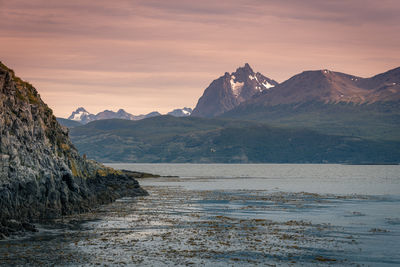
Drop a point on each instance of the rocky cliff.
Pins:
(41, 173)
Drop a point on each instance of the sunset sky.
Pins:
(161, 54)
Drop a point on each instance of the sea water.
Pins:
(233, 214)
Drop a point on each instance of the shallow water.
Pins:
(220, 214)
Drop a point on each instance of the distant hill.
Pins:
(145, 116)
(377, 121)
(332, 103)
(68, 123)
(193, 139)
(231, 89)
(109, 114)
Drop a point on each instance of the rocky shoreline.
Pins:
(42, 175)
(22, 205)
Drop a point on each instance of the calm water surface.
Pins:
(241, 214)
(317, 178)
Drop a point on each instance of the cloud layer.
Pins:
(156, 54)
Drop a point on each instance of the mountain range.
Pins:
(82, 116)
(315, 116)
(322, 100)
(334, 87)
(330, 102)
(246, 88)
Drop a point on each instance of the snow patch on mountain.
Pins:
(236, 86)
(181, 112)
(79, 115)
(267, 85)
(253, 77)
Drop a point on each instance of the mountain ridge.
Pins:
(81, 115)
(333, 87)
(331, 103)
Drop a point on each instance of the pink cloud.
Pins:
(142, 54)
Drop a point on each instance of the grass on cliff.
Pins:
(25, 90)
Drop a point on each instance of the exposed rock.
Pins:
(228, 91)
(41, 173)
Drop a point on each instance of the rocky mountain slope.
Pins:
(41, 173)
(331, 102)
(334, 87)
(228, 91)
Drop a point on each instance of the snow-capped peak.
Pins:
(245, 82)
(78, 114)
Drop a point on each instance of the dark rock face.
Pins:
(41, 173)
(230, 90)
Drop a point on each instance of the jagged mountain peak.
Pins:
(231, 89)
(245, 69)
(81, 109)
(80, 115)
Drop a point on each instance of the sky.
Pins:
(159, 55)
